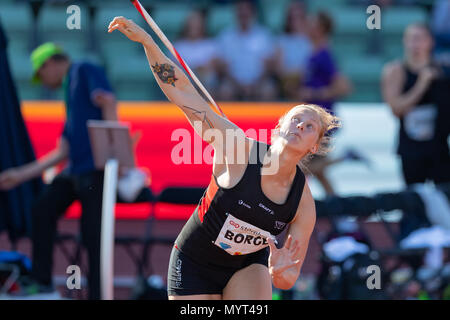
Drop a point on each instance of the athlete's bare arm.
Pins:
(179, 90)
(294, 250)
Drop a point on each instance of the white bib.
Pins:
(419, 122)
(239, 237)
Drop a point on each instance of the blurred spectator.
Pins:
(323, 85)
(199, 51)
(417, 91)
(245, 52)
(294, 49)
(412, 90)
(440, 24)
(88, 95)
(15, 150)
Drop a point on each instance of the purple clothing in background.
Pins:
(320, 71)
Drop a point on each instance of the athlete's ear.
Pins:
(314, 149)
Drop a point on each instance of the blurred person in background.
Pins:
(440, 25)
(245, 53)
(412, 89)
(417, 90)
(199, 51)
(294, 49)
(323, 85)
(88, 95)
(15, 150)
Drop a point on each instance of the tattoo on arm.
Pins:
(201, 115)
(165, 72)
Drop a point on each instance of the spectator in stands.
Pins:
(417, 90)
(199, 51)
(88, 95)
(294, 49)
(323, 85)
(246, 52)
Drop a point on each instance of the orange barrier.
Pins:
(142, 110)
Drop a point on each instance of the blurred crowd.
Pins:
(248, 62)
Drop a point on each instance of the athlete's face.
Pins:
(301, 128)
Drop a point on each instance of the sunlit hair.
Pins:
(328, 123)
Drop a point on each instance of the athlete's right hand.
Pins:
(10, 178)
(128, 28)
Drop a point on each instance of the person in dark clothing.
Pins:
(323, 85)
(15, 150)
(88, 95)
(417, 91)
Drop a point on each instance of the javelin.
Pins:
(172, 49)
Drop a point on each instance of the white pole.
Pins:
(107, 231)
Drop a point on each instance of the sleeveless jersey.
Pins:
(417, 131)
(232, 223)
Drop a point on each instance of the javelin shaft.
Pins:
(172, 49)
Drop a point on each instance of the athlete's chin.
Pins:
(296, 146)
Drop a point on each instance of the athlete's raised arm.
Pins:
(177, 87)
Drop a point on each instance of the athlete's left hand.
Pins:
(285, 258)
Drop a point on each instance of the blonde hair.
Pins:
(328, 122)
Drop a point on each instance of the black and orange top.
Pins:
(232, 223)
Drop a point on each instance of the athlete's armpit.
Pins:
(200, 115)
(165, 72)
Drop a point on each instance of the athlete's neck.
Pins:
(285, 160)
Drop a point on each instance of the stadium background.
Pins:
(368, 123)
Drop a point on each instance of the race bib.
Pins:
(239, 237)
(420, 122)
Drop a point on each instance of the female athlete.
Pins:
(227, 249)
